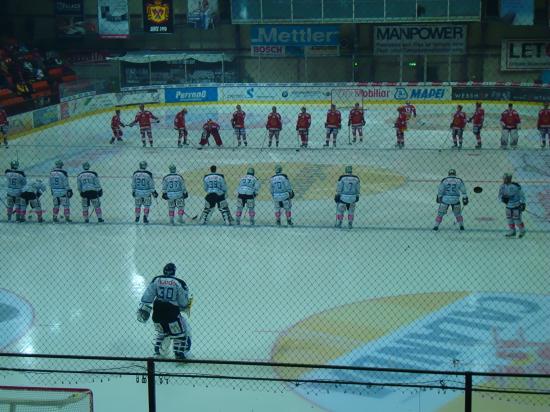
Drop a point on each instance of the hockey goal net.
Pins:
(30, 399)
(346, 98)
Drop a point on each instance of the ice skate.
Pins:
(100, 220)
(478, 146)
(350, 225)
(436, 228)
(278, 222)
(137, 219)
(461, 227)
(145, 219)
(68, 219)
(338, 224)
(289, 222)
(55, 219)
(521, 234)
(511, 233)
(86, 220)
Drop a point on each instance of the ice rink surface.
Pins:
(311, 293)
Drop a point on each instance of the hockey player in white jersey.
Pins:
(143, 187)
(511, 194)
(90, 191)
(448, 194)
(16, 181)
(216, 191)
(175, 192)
(61, 191)
(281, 191)
(348, 190)
(31, 195)
(167, 296)
(248, 189)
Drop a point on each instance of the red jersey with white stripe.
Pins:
(116, 123)
(211, 126)
(410, 110)
(478, 117)
(334, 118)
(459, 120)
(179, 120)
(510, 119)
(274, 121)
(3, 118)
(543, 119)
(144, 119)
(304, 121)
(237, 121)
(356, 117)
(401, 121)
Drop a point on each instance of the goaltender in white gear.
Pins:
(348, 190)
(216, 189)
(448, 194)
(248, 189)
(167, 296)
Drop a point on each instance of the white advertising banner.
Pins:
(533, 54)
(420, 39)
(267, 50)
(112, 19)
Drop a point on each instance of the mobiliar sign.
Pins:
(533, 54)
(420, 39)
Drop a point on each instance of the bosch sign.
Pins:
(267, 50)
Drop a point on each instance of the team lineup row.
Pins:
(22, 192)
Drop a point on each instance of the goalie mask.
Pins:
(250, 171)
(278, 169)
(59, 164)
(507, 177)
(172, 168)
(452, 172)
(14, 164)
(349, 170)
(169, 270)
(86, 166)
(143, 165)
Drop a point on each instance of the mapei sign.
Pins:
(531, 54)
(422, 93)
(420, 39)
(295, 35)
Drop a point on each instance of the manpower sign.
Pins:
(533, 54)
(420, 39)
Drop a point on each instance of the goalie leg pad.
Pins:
(287, 205)
(514, 137)
(442, 209)
(147, 201)
(504, 137)
(138, 201)
(96, 203)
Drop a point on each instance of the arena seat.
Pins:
(68, 78)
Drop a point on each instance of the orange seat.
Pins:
(4, 93)
(55, 71)
(40, 85)
(12, 101)
(69, 78)
(42, 93)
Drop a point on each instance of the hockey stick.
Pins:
(537, 215)
(349, 134)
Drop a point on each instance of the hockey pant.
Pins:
(30, 198)
(273, 133)
(513, 217)
(249, 202)
(303, 133)
(4, 132)
(283, 204)
(457, 135)
(178, 203)
(144, 201)
(117, 134)
(544, 134)
(509, 134)
(400, 134)
(91, 197)
(357, 129)
(182, 135)
(215, 134)
(341, 210)
(442, 211)
(14, 204)
(61, 201)
(210, 201)
(476, 130)
(240, 133)
(179, 331)
(146, 131)
(331, 131)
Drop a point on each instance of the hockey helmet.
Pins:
(250, 171)
(169, 269)
(59, 164)
(14, 164)
(143, 165)
(213, 168)
(478, 104)
(349, 169)
(452, 172)
(545, 105)
(304, 109)
(278, 169)
(507, 177)
(172, 168)
(86, 166)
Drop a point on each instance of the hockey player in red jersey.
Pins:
(4, 125)
(302, 126)
(477, 120)
(357, 121)
(274, 126)
(179, 125)
(410, 110)
(210, 128)
(143, 118)
(509, 120)
(400, 127)
(457, 126)
(543, 125)
(116, 125)
(332, 125)
(237, 122)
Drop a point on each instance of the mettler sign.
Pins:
(533, 54)
(310, 35)
(420, 39)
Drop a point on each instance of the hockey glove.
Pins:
(297, 128)
(187, 309)
(291, 194)
(451, 126)
(464, 201)
(363, 123)
(326, 124)
(81, 194)
(69, 193)
(438, 199)
(100, 193)
(143, 313)
(165, 196)
(357, 198)
(133, 193)
(522, 207)
(155, 194)
(505, 199)
(185, 195)
(337, 198)
(349, 123)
